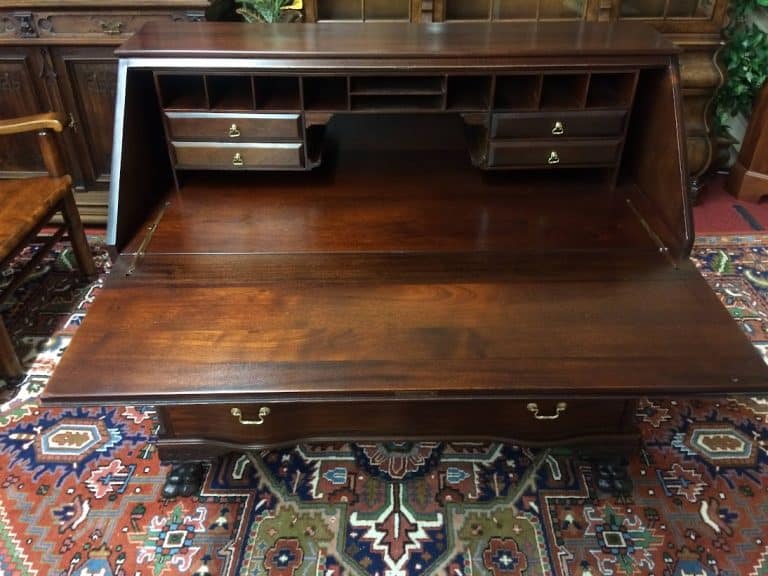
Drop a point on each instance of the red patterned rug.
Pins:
(80, 489)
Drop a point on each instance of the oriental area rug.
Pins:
(80, 489)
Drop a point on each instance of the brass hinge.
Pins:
(139, 255)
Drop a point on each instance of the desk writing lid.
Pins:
(393, 40)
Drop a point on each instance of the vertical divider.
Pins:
(300, 80)
(414, 11)
(438, 10)
(444, 88)
(620, 151)
(158, 90)
(252, 83)
(349, 93)
(583, 103)
(537, 92)
(492, 95)
(205, 91)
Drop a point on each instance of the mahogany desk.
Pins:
(389, 230)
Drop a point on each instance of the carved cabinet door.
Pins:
(87, 78)
(21, 94)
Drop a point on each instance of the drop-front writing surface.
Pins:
(365, 222)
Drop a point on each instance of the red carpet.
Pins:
(717, 212)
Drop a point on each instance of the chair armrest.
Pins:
(47, 121)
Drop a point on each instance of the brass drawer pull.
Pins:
(553, 158)
(264, 411)
(558, 129)
(112, 28)
(234, 131)
(559, 409)
(237, 159)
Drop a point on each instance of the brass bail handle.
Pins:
(237, 159)
(264, 411)
(559, 409)
(234, 131)
(558, 129)
(553, 158)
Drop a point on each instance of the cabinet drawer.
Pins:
(96, 24)
(275, 423)
(561, 124)
(232, 127)
(226, 156)
(552, 153)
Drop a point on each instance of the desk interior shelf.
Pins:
(179, 91)
(611, 90)
(469, 93)
(563, 91)
(326, 93)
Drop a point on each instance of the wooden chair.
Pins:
(26, 205)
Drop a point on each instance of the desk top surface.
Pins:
(393, 40)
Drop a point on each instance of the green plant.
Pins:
(745, 58)
(261, 10)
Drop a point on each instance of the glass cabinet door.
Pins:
(359, 10)
(514, 9)
(664, 9)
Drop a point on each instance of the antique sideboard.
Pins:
(344, 231)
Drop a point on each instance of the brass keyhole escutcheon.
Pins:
(559, 409)
(264, 411)
(237, 159)
(111, 28)
(234, 131)
(553, 158)
(558, 129)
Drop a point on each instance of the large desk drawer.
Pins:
(238, 156)
(535, 421)
(233, 127)
(593, 123)
(552, 153)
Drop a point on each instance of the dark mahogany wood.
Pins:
(553, 153)
(572, 124)
(384, 285)
(247, 127)
(468, 42)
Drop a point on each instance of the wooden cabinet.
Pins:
(21, 94)
(59, 56)
(87, 83)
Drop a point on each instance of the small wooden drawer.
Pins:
(532, 421)
(580, 124)
(245, 156)
(233, 127)
(552, 153)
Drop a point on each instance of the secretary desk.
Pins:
(391, 230)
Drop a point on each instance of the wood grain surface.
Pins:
(394, 39)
